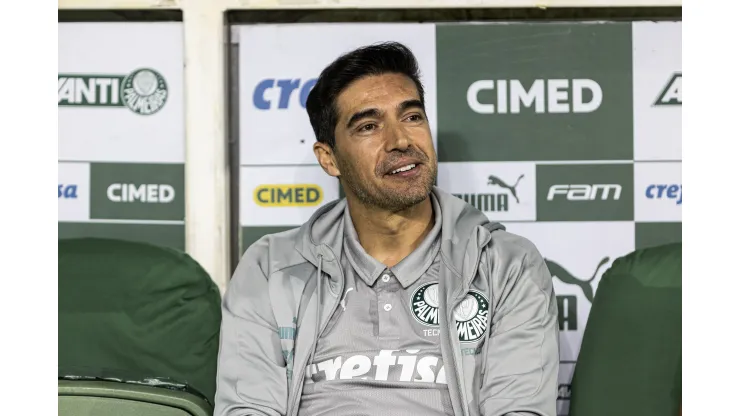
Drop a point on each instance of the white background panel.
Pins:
(653, 204)
(116, 134)
(252, 214)
(565, 375)
(578, 248)
(301, 52)
(656, 56)
(74, 207)
(475, 178)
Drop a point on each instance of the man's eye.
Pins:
(414, 117)
(367, 127)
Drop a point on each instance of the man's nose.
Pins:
(396, 138)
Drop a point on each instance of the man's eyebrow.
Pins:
(374, 112)
(370, 112)
(410, 104)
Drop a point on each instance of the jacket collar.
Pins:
(462, 234)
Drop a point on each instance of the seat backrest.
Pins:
(144, 311)
(105, 398)
(630, 357)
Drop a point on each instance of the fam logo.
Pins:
(542, 96)
(298, 195)
(568, 304)
(277, 93)
(495, 201)
(144, 91)
(585, 192)
(665, 191)
(67, 191)
(471, 315)
(670, 95)
(143, 193)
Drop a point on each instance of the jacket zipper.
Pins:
(455, 340)
(458, 385)
(292, 409)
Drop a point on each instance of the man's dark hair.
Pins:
(375, 59)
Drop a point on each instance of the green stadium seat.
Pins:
(106, 398)
(630, 358)
(138, 330)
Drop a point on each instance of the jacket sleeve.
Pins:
(252, 377)
(521, 374)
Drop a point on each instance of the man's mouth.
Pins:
(404, 168)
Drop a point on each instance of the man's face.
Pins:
(383, 152)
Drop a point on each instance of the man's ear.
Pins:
(325, 157)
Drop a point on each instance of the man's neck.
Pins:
(391, 236)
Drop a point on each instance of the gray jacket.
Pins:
(275, 305)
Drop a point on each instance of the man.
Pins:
(380, 303)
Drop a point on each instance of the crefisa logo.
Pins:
(271, 93)
(68, 191)
(672, 192)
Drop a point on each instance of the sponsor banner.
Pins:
(503, 191)
(284, 196)
(137, 191)
(657, 90)
(144, 91)
(120, 102)
(74, 191)
(577, 254)
(278, 66)
(530, 92)
(120, 92)
(649, 234)
(411, 365)
(585, 192)
(658, 192)
(601, 102)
